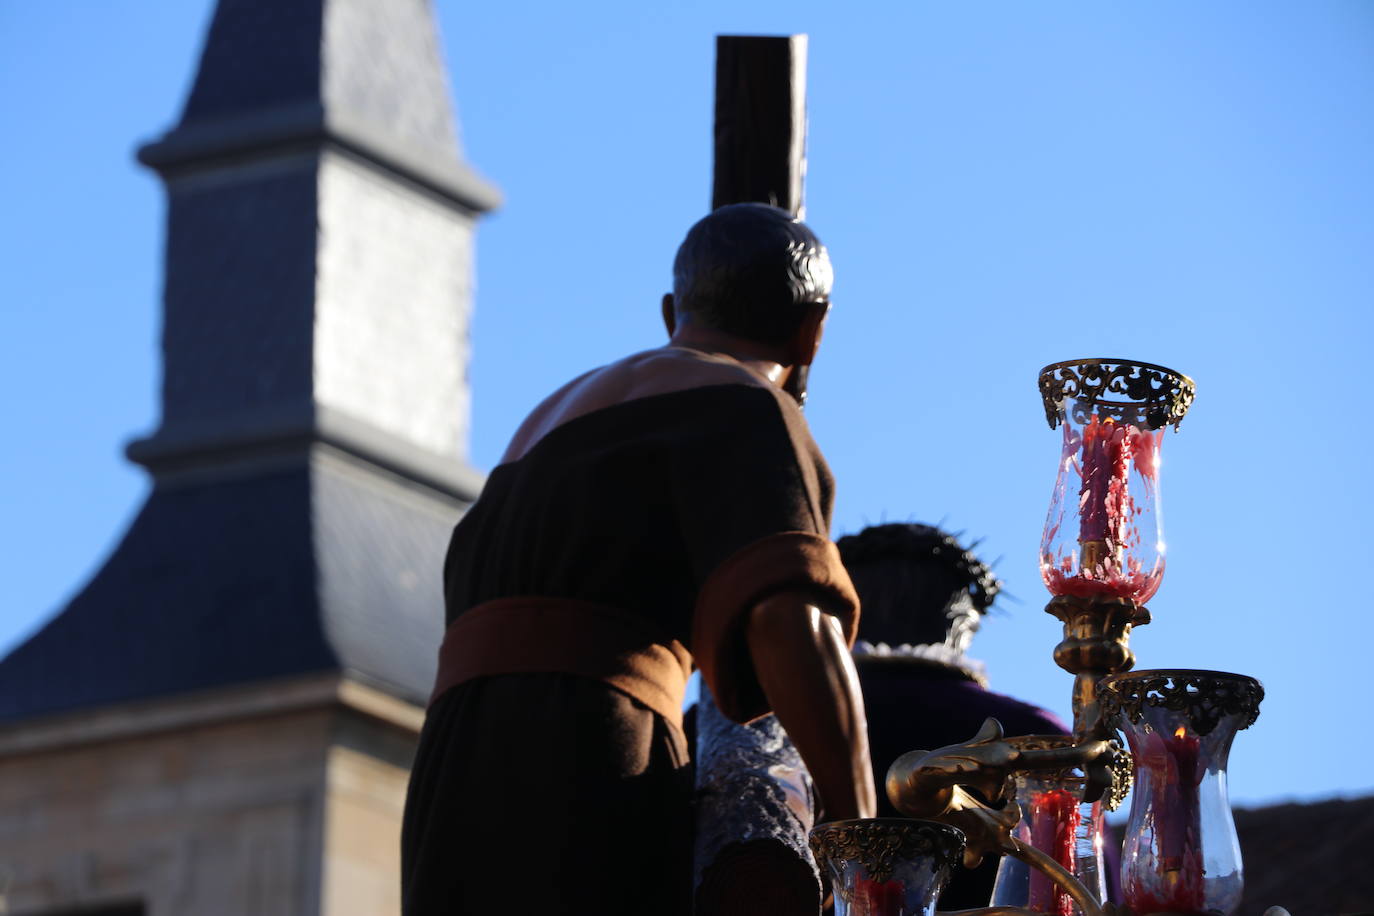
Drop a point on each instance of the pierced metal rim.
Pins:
(1218, 694)
(1036, 742)
(1117, 361)
(1090, 382)
(874, 842)
(1111, 679)
(904, 823)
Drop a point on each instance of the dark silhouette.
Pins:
(923, 598)
(666, 509)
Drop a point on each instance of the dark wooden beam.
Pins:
(760, 121)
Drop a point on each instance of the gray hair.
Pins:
(751, 270)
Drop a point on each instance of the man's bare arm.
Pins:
(806, 672)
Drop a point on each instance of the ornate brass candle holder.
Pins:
(968, 786)
(1102, 550)
(886, 866)
(1181, 853)
(1055, 819)
(1102, 558)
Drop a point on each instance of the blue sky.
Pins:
(1002, 185)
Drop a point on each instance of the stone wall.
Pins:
(368, 771)
(291, 810)
(392, 302)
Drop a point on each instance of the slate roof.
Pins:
(274, 543)
(304, 570)
(1311, 859)
(363, 75)
(379, 61)
(258, 56)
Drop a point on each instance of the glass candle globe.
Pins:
(1103, 537)
(886, 866)
(1057, 821)
(1181, 853)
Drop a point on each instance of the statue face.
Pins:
(963, 620)
(796, 384)
(805, 345)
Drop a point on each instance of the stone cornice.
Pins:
(232, 139)
(289, 429)
(129, 720)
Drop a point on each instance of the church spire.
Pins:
(318, 242)
(363, 75)
(311, 456)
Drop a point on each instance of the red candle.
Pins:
(879, 898)
(1054, 820)
(1176, 886)
(1094, 467)
(1104, 500)
(1105, 453)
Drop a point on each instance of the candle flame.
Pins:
(1180, 732)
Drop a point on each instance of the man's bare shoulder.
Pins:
(663, 370)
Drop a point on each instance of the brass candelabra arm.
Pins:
(923, 784)
(928, 784)
(989, 830)
(1062, 879)
(1109, 909)
(941, 785)
(991, 911)
(1106, 908)
(1061, 876)
(986, 829)
(1097, 642)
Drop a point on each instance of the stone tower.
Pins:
(222, 720)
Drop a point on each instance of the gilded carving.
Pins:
(1142, 394)
(1205, 696)
(878, 844)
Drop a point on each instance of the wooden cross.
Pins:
(760, 132)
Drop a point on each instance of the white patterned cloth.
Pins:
(934, 653)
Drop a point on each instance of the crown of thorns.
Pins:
(913, 543)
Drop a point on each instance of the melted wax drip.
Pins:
(879, 898)
(1106, 451)
(1175, 885)
(1054, 820)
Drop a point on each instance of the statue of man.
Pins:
(924, 596)
(664, 511)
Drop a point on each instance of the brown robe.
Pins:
(639, 514)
